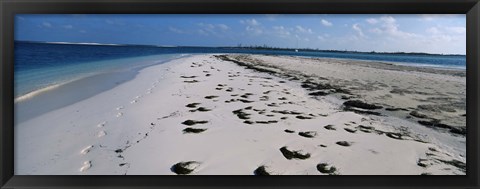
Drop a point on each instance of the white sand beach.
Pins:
(257, 114)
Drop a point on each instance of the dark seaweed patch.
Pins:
(417, 114)
(362, 105)
(319, 93)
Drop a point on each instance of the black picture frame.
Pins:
(8, 9)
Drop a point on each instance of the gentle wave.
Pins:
(72, 43)
(37, 92)
(50, 87)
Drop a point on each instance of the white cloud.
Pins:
(254, 30)
(47, 24)
(176, 30)
(389, 26)
(251, 22)
(372, 21)
(202, 32)
(432, 17)
(447, 30)
(223, 27)
(388, 19)
(433, 30)
(212, 29)
(281, 31)
(323, 37)
(253, 26)
(326, 23)
(82, 31)
(457, 30)
(376, 31)
(68, 26)
(303, 30)
(359, 31)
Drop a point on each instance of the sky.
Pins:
(442, 34)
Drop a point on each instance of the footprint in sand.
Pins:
(86, 149)
(133, 101)
(120, 108)
(101, 134)
(102, 124)
(120, 114)
(86, 166)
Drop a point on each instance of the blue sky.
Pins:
(384, 33)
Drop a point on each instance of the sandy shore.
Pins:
(246, 115)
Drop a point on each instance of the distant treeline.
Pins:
(265, 47)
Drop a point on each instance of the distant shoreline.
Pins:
(249, 47)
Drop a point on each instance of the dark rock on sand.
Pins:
(289, 131)
(245, 101)
(248, 122)
(261, 171)
(303, 117)
(188, 77)
(182, 168)
(308, 134)
(350, 130)
(326, 169)
(193, 122)
(293, 154)
(193, 130)
(241, 114)
(344, 143)
(192, 81)
(211, 97)
(330, 127)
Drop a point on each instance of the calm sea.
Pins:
(41, 66)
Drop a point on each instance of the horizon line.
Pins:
(244, 46)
